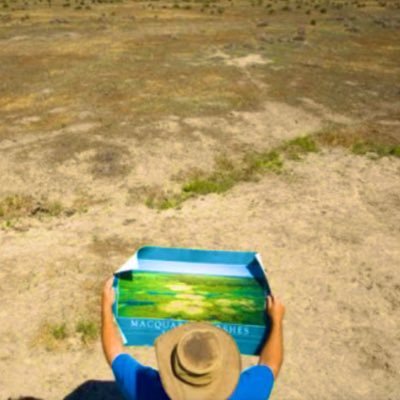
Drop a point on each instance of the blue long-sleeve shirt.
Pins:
(138, 382)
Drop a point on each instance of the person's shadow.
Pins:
(89, 390)
(96, 390)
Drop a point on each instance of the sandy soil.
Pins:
(327, 227)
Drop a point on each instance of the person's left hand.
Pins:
(108, 296)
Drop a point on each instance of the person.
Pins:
(196, 361)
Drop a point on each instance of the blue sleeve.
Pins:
(137, 381)
(125, 369)
(255, 383)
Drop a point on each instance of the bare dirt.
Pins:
(101, 108)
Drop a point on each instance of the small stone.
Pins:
(129, 221)
(265, 38)
(300, 35)
(352, 29)
(262, 24)
(69, 212)
(59, 21)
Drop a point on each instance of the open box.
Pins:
(160, 288)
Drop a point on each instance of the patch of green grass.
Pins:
(363, 148)
(225, 175)
(8, 224)
(298, 147)
(363, 139)
(262, 162)
(216, 183)
(228, 173)
(59, 331)
(88, 330)
(163, 201)
(51, 336)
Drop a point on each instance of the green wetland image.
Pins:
(191, 297)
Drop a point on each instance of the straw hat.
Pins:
(198, 361)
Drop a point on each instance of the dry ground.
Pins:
(266, 125)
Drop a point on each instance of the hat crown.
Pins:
(208, 366)
(199, 351)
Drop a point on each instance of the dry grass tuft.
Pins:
(19, 206)
(52, 336)
(368, 138)
(58, 336)
(109, 163)
(68, 145)
(88, 330)
(109, 246)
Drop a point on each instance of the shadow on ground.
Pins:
(89, 390)
(96, 390)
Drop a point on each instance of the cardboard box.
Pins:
(160, 288)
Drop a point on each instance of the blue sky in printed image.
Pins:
(195, 268)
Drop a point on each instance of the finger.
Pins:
(109, 283)
(273, 298)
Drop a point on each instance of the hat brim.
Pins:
(224, 383)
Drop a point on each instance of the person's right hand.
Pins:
(275, 309)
